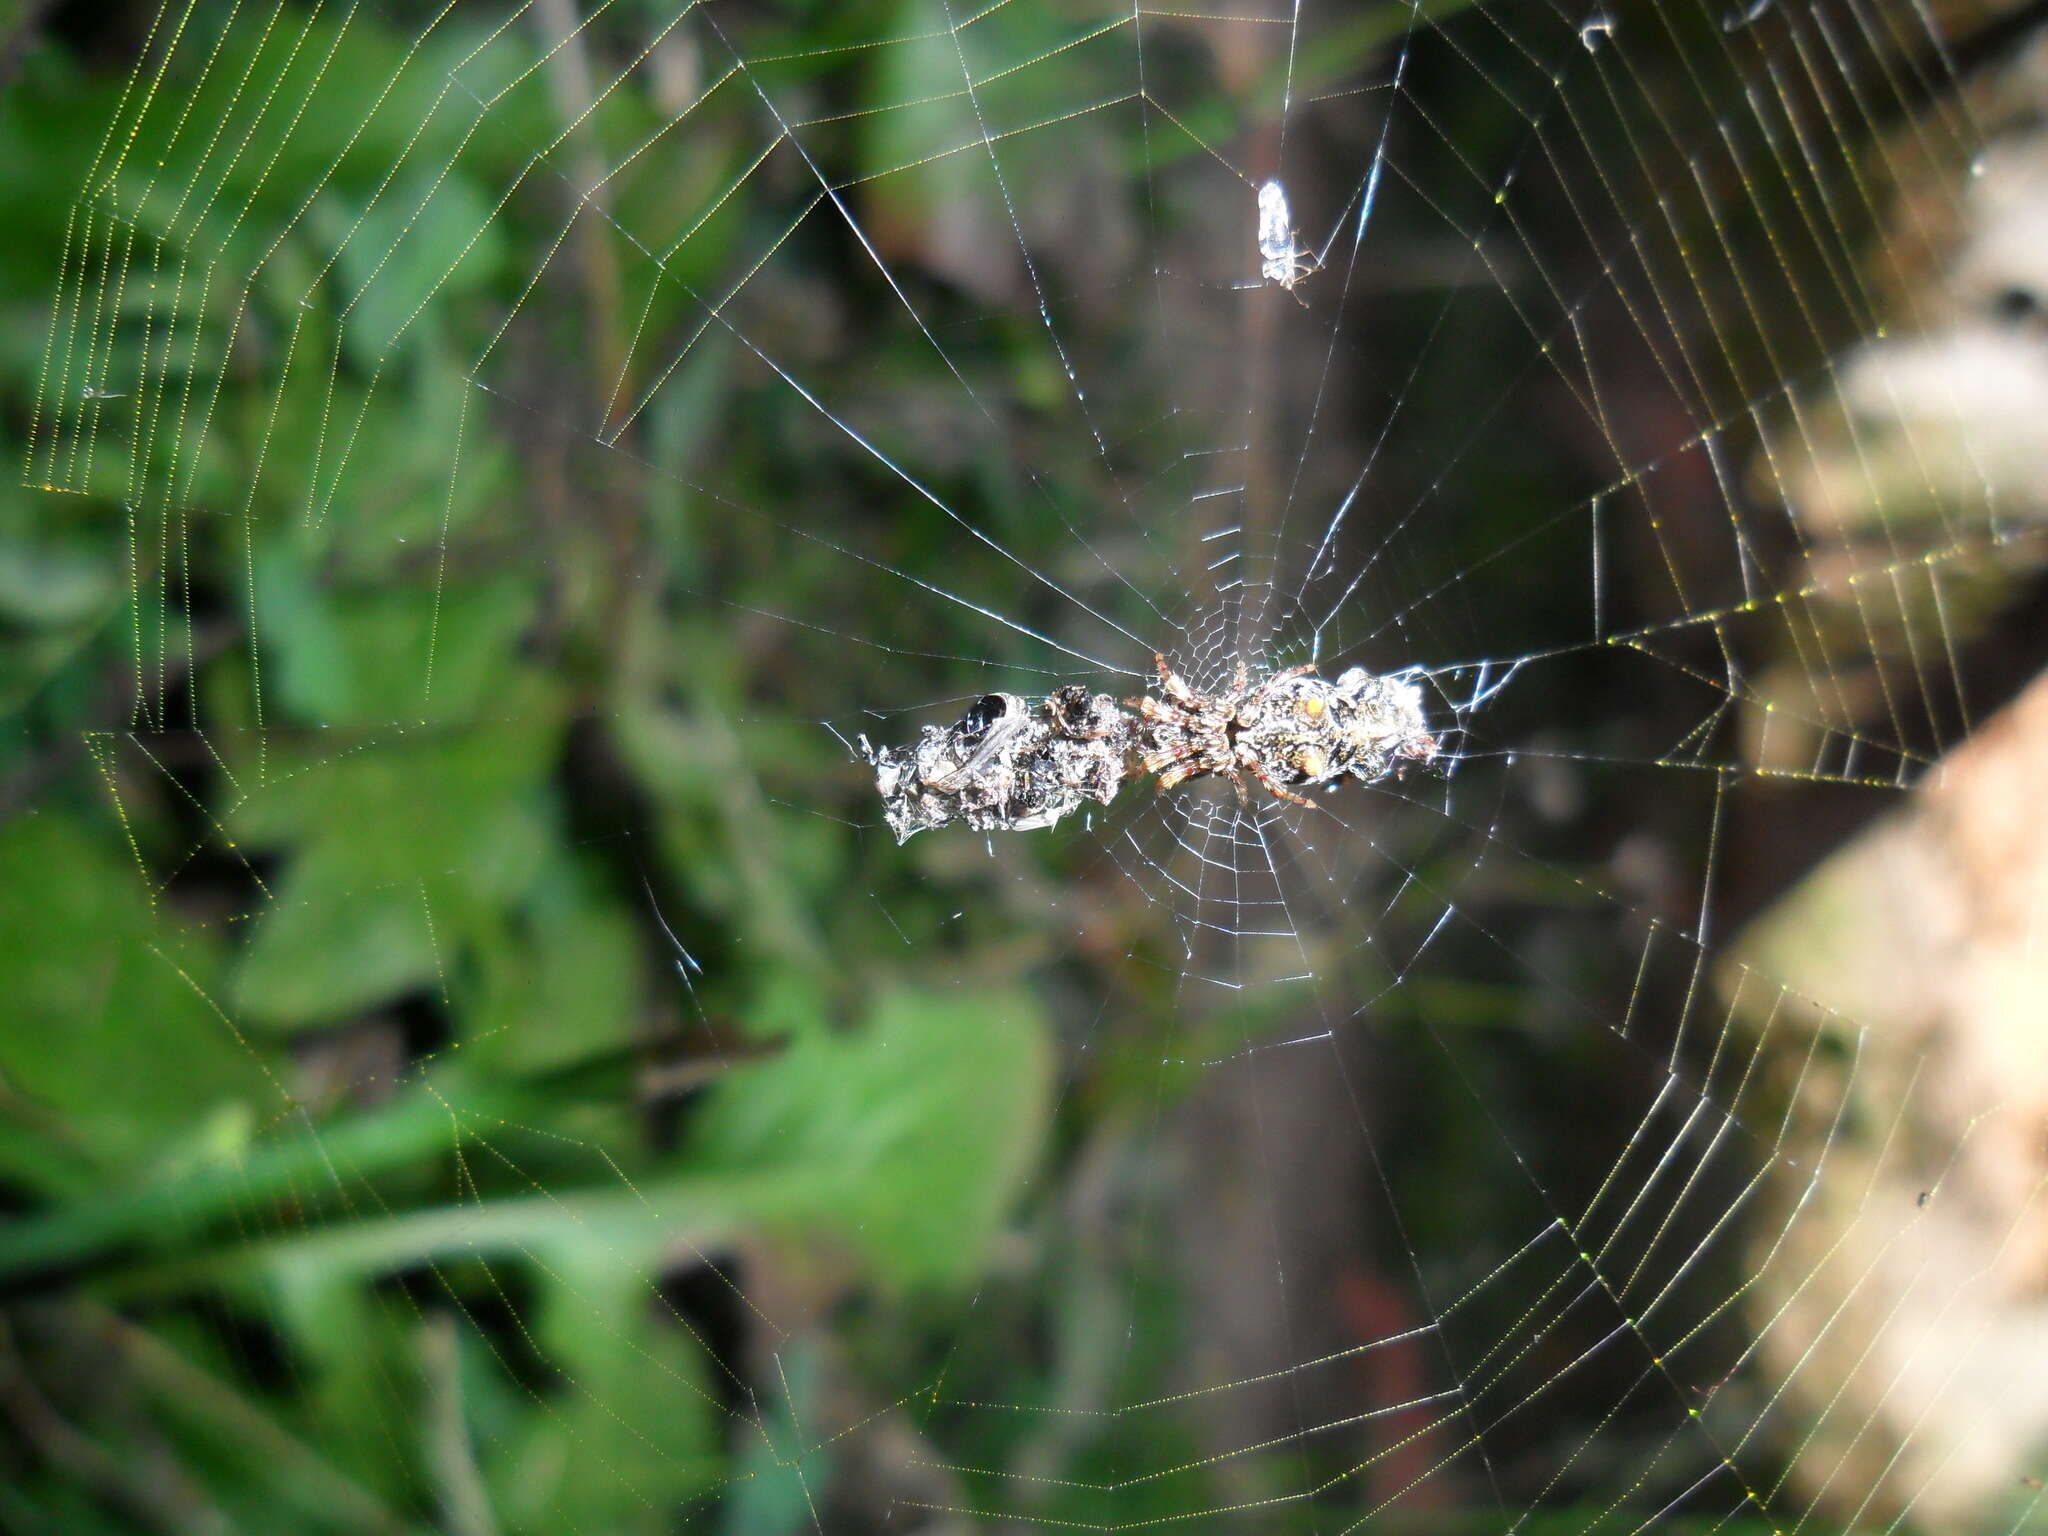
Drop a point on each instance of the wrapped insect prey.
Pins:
(1008, 764)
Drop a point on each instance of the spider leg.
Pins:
(1160, 711)
(1166, 757)
(1278, 790)
(1170, 681)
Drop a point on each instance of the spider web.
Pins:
(883, 357)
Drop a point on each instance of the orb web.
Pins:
(545, 438)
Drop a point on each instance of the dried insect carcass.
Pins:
(1008, 764)
(1283, 259)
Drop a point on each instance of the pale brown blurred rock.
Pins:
(1915, 1278)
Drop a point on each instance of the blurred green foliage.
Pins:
(341, 1198)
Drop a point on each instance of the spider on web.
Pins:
(1289, 728)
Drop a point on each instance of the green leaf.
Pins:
(911, 1135)
(363, 657)
(430, 236)
(559, 983)
(400, 846)
(632, 1430)
(112, 1045)
(49, 584)
(776, 1465)
(331, 946)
